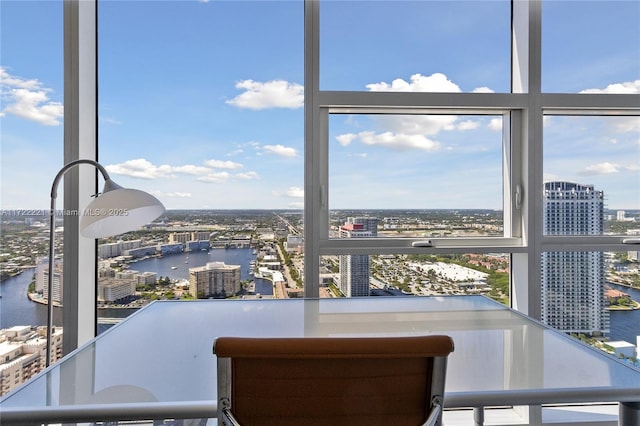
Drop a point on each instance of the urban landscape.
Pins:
(190, 254)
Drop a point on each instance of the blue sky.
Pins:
(200, 103)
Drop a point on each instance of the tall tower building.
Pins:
(42, 280)
(215, 279)
(573, 282)
(354, 268)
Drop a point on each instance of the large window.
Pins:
(600, 153)
(426, 46)
(371, 142)
(394, 142)
(201, 104)
(419, 162)
(31, 153)
(578, 57)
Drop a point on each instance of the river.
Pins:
(625, 325)
(17, 309)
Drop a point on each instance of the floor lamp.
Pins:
(115, 211)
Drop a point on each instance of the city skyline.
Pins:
(200, 102)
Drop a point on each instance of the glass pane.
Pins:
(444, 173)
(622, 294)
(595, 296)
(573, 292)
(201, 105)
(591, 46)
(31, 153)
(425, 46)
(592, 175)
(417, 275)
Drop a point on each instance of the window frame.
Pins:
(524, 109)
(79, 319)
(525, 106)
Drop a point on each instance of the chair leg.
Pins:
(478, 416)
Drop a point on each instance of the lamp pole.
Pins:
(52, 220)
(116, 211)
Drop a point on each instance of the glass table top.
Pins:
(164, 352)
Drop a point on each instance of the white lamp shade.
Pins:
(118, 211)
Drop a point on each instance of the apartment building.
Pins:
(23, 352)
(215, 279)
(573, 282)
(354, 268)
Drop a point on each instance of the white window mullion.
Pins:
(526, 78)
(80, 141)
(312, 141)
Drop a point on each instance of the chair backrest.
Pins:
(331, 381)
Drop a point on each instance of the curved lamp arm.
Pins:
(128, 210)
(63, 170)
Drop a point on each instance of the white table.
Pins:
(158, 363)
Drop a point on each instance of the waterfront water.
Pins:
(15, 306)
(17, 309)
(625, 325)
(163, 266)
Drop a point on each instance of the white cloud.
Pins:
(220, 177)
(191, 170)
(281, 150)
(634, 167)
(436, 82)
(291, 192)
(414, 131)
(171, 194)
(495, 124)
(219, 164)
(601, 169)
(16, 82)
(417, 124)
(28, 99)
(467, 125)
(272, 94)
(248, 176)
(295, 192)
(235, 152)
(626, 124)
(346, 138)
(398, 141)
(483, 89)
(406, 131)
(142, 169)
(622, 88)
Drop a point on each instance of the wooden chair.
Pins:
(331, 381)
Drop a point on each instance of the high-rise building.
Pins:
(370, 224)
(354, 268)
(573, 282)
(42, 280)
(215, 279)
(23, 353)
